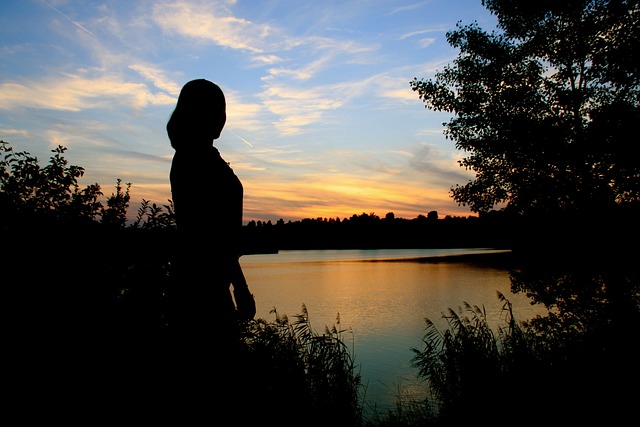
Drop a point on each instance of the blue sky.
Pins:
(322, 121)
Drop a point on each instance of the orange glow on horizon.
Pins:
(313, 197)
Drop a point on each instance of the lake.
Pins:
(382, 297)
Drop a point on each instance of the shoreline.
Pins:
(502, 257)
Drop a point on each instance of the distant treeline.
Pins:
(369, 231)
(499, 229)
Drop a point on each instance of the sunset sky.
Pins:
(322, 121)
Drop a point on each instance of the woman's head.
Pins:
(199, 116)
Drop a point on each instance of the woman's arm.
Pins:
(245, 303)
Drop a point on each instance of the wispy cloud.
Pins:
(9, 131)
(74, 92)
(440, 168)
(158, 78)
(266, 59)
(409, 7)
(212, 22)
(299, 107)
(421, 32)
(426, 42)
(251, 117)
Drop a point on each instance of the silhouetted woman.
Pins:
(207, 197)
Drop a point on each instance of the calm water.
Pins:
(382, 304)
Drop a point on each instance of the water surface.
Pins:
(382, 304)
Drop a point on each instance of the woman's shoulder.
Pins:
(200, 161)
(222, 163)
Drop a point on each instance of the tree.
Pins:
(156, 217)
(53, 190)
(115, 214)
(545, 108)
(545, 105)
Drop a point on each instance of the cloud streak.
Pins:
(76, 23)
(73, 92)
(211, 22)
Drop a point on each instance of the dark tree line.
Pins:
(369, 231)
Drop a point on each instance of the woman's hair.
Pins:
(199, 116)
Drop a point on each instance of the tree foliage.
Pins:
(545, 105)
(52, 192)
(115, 214)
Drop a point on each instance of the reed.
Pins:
(315, 373)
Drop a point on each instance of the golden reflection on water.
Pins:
(377, 295)
(382, 304)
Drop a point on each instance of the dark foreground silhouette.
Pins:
(208, 202)
(89, 339)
